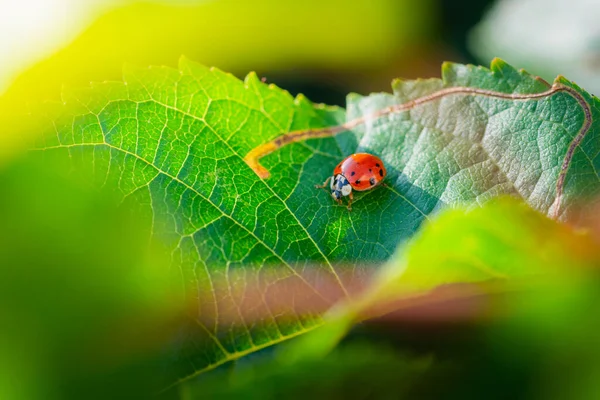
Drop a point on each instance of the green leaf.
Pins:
(356, 370)
(503, 241)
(178, 143)
(502, 246)
(472, 147)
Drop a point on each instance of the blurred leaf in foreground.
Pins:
(238, 36)
(529, 276)
(502, 246)
(504, 240)
(553, 335)
(84, 302)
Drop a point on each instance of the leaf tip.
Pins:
(301, 99)
(497, 64)
(448, 72)
(353, 96)
(447, 66)
(397, 82)
(562, 80)
(251, 78)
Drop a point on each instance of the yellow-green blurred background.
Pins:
(322, 48)
(84, 301)
(74, 42)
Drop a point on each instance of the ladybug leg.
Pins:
(350, 198)
(324, 185)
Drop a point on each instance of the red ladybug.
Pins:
(360, 171)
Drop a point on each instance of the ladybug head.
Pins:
(340, 187)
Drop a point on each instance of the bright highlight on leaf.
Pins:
(176, 142)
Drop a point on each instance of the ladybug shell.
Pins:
(364, 171)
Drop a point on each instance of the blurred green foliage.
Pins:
(503, 240)
(529, 335)
(358, 370)
(83, 296)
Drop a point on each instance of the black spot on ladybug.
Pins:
(357, 182)
(377, 165)
(352, 173)
(372, 181)
(381, 172)
(370, 170)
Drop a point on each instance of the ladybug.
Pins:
(360, 171)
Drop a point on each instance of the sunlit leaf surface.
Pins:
(174, 142)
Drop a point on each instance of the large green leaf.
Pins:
(175, 142)
(362, 370)
(506, 256)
